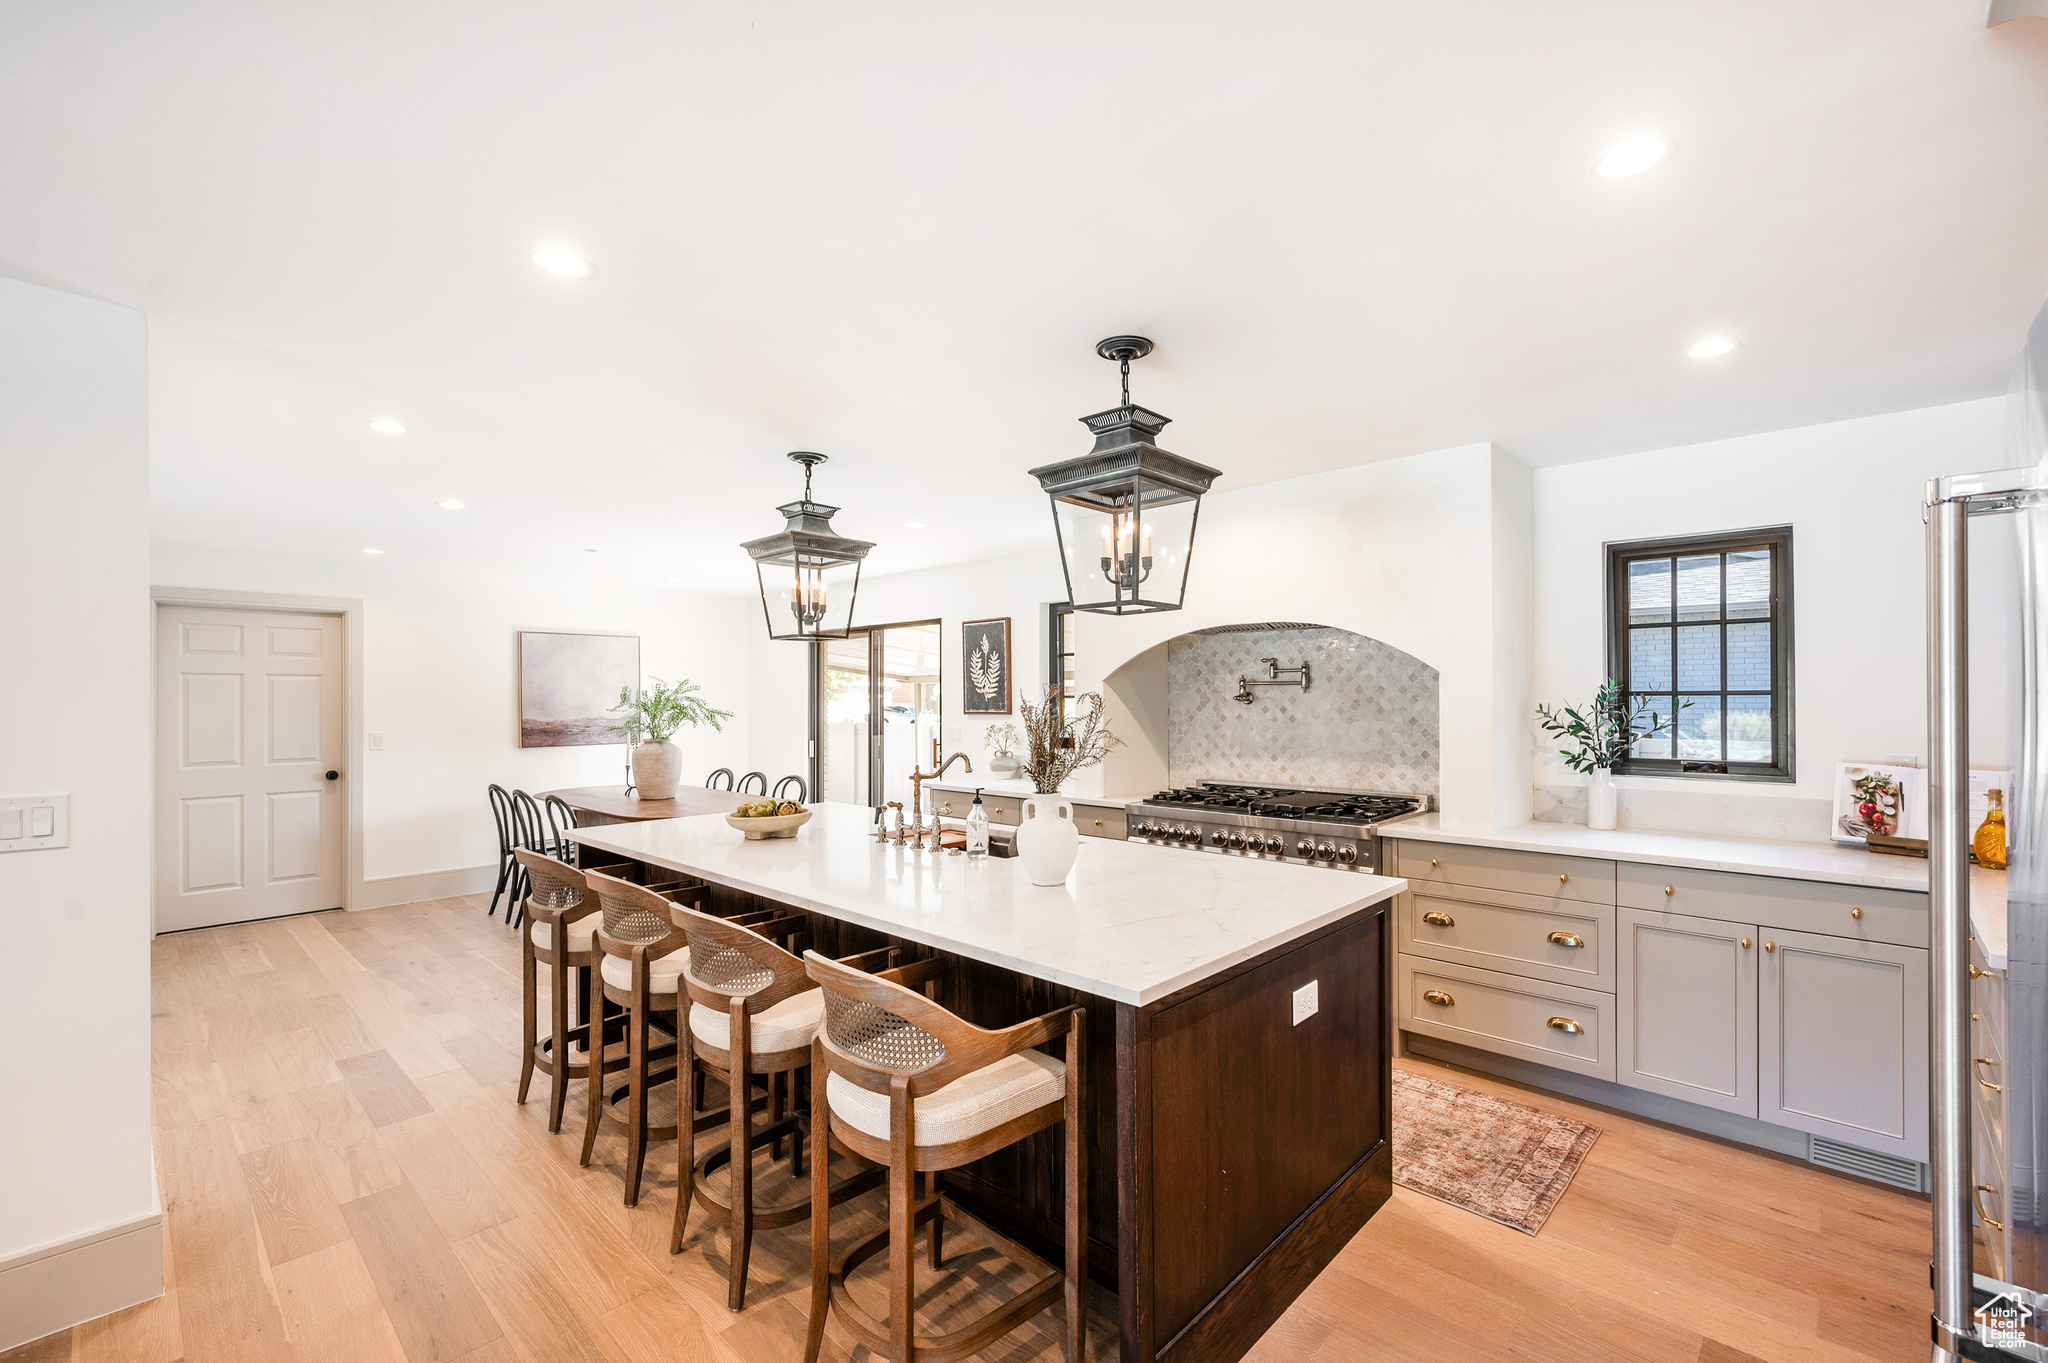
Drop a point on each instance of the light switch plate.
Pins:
(376, 743)
(30, 823)
(1306, 1002)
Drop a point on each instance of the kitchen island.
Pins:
(1238, 1029)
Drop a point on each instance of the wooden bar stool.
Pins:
(639, 956)
(561, 918)
(910, 1085)
(754, 1012)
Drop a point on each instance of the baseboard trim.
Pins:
(389, 890)
(56, 1286)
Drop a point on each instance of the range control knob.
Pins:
(1305, 848)
(1176, 832)
(1217, 837)
(1347, 855)
(1194, 834)
(1147, 829)
(1274, 844)
(1325, 851)
(1236, 840)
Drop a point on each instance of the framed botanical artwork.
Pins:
(985, 667)
(568, 684)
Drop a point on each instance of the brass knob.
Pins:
(1562, 879)
(1985, 1188)
(1855, 913)
(1098, 823)
(1566, 939)
(1669, 890)
(1566, 1025)
(1745, 944)
(1770, 946)
(946, 808)
(1438, 918)
(1434, 862)
(1437, 997)
(1977, 974)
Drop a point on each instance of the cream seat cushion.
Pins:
(662, 971)
(963, 1109)
(787, 1026)
(578, 936)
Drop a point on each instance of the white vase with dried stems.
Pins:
(1057, 746)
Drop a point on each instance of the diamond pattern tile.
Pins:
(1369, 719)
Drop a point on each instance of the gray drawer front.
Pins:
(1008, 809)
(1495, 930)
(1509, 1015)
(1100, 821)
(1893, 916)
(1444, 864)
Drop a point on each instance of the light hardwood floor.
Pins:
(346, 1176)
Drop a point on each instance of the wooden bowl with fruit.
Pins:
(760, 819)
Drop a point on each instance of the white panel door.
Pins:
(249, 724)
(1688, 1008)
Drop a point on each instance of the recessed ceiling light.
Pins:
(590, 551)
(373, 551)
(1711, 347)
(384, 425)
(449, 505)
(1632, 157)
(564, 262)
(913, 525)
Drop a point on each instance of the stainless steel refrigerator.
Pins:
(1989, 1007)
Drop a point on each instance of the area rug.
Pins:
(1502, 1160)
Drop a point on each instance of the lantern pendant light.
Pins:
(1125, 511)
(808, 574)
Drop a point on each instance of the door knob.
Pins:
(1745, 944)
(334, 776)
(1770, 947)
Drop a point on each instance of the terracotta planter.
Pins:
(655, 768)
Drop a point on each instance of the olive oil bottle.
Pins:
(1989, 844)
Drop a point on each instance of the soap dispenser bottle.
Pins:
(977, 828)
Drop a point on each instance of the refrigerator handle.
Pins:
(1948, 887)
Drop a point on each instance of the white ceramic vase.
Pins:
(1047, 841)
(1600, 802)
(655, 766)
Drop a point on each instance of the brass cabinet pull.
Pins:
(1977, 974)
(1566, 1025)
(1670, 890)
(1438, 918)
(1434, 862)
(1987, 1060)
(1438, 997)
(1981, 1214)
(1745, 944)
(1770, 946)
(1098, 823)
(1566, 939)
(1562, 879)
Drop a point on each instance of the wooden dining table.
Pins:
(596, 806)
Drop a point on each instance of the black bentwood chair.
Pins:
(501, 814)
(529, 830)
(561, 818)
(754, 783)
(719, 780)
(789, 784)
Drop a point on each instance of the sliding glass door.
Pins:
(878, 711)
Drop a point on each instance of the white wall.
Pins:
(1851, 491)
(75, 1156)
(440, 682)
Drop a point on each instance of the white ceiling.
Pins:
(893, 232)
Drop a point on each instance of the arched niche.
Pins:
(1370, 719)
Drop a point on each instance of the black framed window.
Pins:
(1706, 620)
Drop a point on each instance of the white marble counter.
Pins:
(1132, 923)
(1823, 861)
(994, 787)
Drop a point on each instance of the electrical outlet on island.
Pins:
(1305, 1002)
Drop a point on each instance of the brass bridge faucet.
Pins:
(917, 780)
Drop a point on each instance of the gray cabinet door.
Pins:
(1687, 1008)
(1842, 1040)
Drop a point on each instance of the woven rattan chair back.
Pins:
(633, 914)
(876, 1029)
(555, 884)
(728, 961)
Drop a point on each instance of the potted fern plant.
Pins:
(1599, 735)
(651, 719)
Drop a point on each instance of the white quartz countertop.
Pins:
(1132, 923)
(1823, 861)
(993, 787)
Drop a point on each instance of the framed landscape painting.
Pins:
(568, 684)
(985, 667)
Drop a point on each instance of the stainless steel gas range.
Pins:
(1332, 828)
